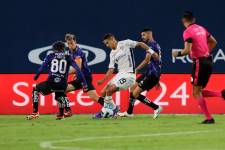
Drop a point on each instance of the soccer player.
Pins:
(57, 64)
(149, 79)
(199, 43)
(80, 58)
(121, 55)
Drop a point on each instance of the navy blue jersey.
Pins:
(154, 67)
(57, 64)
(78, 55)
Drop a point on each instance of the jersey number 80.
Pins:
(58, 66)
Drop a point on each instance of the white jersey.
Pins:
(123, 56)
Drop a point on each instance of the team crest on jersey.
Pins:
(57, 80)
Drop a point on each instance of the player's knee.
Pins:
(69, 88)
(196, 94)
(135, 94)
(110, 90)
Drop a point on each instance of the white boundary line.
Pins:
(50, 144)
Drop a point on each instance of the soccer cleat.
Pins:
(223, 94)
(68, 114)
(157, 112)
(116, 111)
(59, 117)
(33, 116)
(97, 116)
(125, 114)
(210, 121)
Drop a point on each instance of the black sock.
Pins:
(61, 111)
(131, 104)
(35, 98)
(67, 104)
(147, 102)
(101, 101)
(61, 103)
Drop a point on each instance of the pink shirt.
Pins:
(198, 35)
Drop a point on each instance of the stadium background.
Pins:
(28, 31)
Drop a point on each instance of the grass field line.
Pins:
(50, 144)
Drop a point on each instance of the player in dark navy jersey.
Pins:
(80, 58)
(147, 80)
(57, 64)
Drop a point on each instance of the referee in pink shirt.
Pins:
(199, 43)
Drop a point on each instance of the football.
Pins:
(106, 112)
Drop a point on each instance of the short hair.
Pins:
(189, 16)
(58, 46)
(147, 29)
(70, 36)
(107, 36)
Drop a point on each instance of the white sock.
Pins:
(109, 101)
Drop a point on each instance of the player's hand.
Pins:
(99, 82)
(175, 54)
(158, 86)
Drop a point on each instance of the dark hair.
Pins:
(189, 16)
(107, 36)
(146, 29)
(59, 46)
(70, 36)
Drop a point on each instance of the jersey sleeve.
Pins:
(208, 34)
(78, 71)
(111, 62)
(44, 65)
(187, 37)
(130, 43)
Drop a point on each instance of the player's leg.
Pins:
(71, 86)
(137, 95)
(129, 112)
(94, 95)
(147, 83)
(76, 85)
(131, 98)
(197, 94)
(121, 82)
(68, 111)
(202, 70)
(92, 92)
(42, 88)
(60, 98)
(108, 101)
(109, 104)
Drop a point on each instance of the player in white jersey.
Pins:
(121, 56)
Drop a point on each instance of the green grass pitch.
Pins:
(80, 132)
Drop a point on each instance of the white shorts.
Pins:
(123, 81)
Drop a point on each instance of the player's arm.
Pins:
(185, 51)
(43, 67)
(79, 73)
(148, 50)
(211, 42)
(106, 77)
(144, 62)
(109, 72)
(78, 61)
